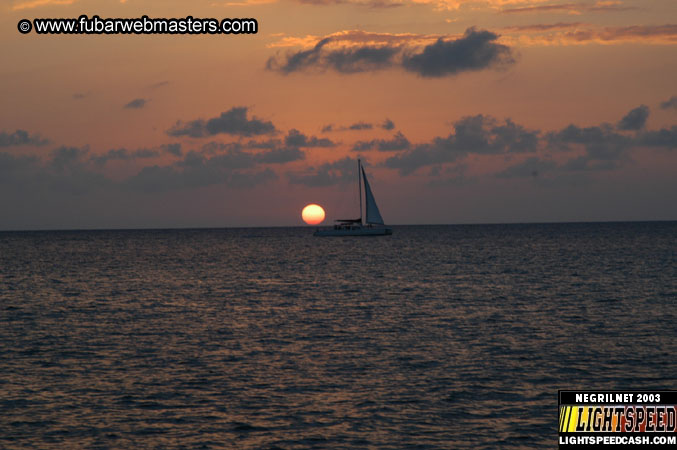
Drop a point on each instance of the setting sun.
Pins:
(312, 214)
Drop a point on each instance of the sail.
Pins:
(372, 212)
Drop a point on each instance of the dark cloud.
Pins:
(80, 95)
(635, 119)
(361, 59)
(478, 134)
(398, 142)
(602, 147)
(122, 154)
(532, 167)
(357, 126)
(344, 60)
(440, 150)
(236, 155)
(267, 144)
(137, 103)
(451, 176)
(233, 158)
(475, 50)
(299, 60)
(233, 121)
(196, 171)
(388, 124)
(665, 137)
(600, 142)
(15, 168)
(328, 174)
(63, 172)
(280, 156)
(173, 149)
(361, 126)
(297, 139)
(20, 137)
(670, 103)
(276, 151)
(159, 84)
(67, 158)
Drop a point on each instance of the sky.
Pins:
(462, 111)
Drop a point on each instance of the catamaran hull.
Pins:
(358, 232)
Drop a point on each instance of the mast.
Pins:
(359, 186)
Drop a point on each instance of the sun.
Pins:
(312, 214)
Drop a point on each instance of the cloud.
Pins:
(16, 168)
(363, 59)
(61, 171)
(137, 103)
(276, 151)
(30, 4)
(665, 137)
(245, 3)
(478, 134)
(328, 174)
(388, 124)
(580, 34)
(670, 103)
(361, 126)
(196, 171)
(20, 137)
(344, 60)
(397, 143)
(540, 27)
(297, 139)
(233, 121)
(375, 4)
(438, 5)
(603, 149)
(159, 84)
(173, 149)
(635, 119)
(299, 60)
(571, 8)
(451, 176)
(475, 50)
(80, 95)
(359, 38)
(601, 143)
(356, 126)
(66, 158)
(122, 154)
(531, 167)
(280, 155)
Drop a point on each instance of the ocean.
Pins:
(434, 337)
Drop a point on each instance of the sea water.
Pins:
(434, 337)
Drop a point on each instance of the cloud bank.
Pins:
(475, 50)
(233, 122)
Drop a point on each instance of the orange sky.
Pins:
(501, 111)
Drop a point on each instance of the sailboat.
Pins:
(372, 226)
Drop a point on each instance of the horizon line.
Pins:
(574, 222)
